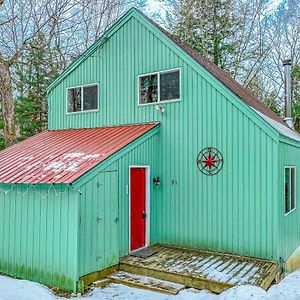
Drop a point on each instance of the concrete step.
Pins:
(147, 283)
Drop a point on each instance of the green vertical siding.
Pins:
(109, 238)
(235, 211)
(38, 234)
(98, 226)
(289, 224)
(143, 155)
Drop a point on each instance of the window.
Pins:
(82, 98)
(159, 87)
(289, 189)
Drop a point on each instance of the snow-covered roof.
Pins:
(284, 130)
(62, 156)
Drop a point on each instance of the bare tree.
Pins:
(23, 20)
(69, 26)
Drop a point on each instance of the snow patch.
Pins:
(30, 157)
(243, 292)
(14, 289)
(73, 167)
(31, 166)
(73, 155)
(288, 288)
(60, 166)
(54, 166)
(91, 156)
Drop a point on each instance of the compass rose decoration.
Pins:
(210, 161)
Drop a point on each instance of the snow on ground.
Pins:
(14, 289)
(288, 288)
(121, 292)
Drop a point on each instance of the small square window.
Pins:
(82, 98)
(90, 97)
(169, 86)
(149, 89)
(74, 99)
(289, 189)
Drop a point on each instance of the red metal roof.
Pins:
(62, 156)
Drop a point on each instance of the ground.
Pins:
(289, 288)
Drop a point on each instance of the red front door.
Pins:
(137, 208)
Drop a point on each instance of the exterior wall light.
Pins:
(160, 108)
(156, 180)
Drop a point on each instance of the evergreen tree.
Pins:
(208, 27)
(34, 73)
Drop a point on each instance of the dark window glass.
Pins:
(293, 179)
(287, 190)
(290, 188)
(148, 89)
(74, 99)
(90, 97)
(169, 86)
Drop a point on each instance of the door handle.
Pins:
(144, 216)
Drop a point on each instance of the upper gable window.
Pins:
(159, 87)
(82, 98)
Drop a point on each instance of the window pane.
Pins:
(169, 86)
(287, 190)
(148, 89)
(293, 179)
(74, 99)
(90, 97)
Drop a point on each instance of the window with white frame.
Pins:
(289, 189)
(82, 98)
(159, 87)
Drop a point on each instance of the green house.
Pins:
(148, 143)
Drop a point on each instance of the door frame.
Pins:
(147, 184)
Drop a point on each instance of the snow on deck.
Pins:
(228, 270)
(145, 282)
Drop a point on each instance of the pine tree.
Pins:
(35, 72)
(208, 27)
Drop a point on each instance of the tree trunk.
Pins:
(7, 103)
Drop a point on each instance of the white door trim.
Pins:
(147, 168)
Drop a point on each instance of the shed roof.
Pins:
(62, 156)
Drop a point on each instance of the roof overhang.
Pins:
(63, 156)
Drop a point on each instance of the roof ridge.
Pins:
(223, 75)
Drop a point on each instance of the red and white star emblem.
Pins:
(210, 161)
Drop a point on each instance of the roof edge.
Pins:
(84, 178)
(91, 49)
(239, 90)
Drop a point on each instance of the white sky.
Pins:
(155, 4)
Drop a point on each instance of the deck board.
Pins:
(196, 268)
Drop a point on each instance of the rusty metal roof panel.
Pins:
(62, 156)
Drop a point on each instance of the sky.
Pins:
(155, 5)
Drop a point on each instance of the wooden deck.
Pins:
(202, 269)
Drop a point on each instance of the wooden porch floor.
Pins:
(202, 269)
